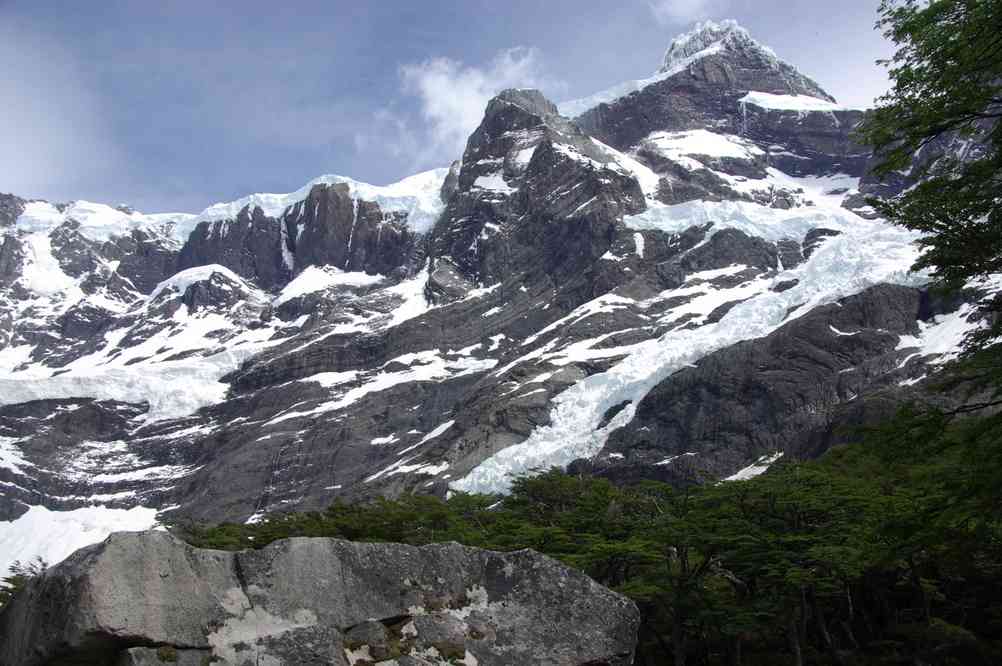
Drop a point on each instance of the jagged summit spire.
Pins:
(710, 36)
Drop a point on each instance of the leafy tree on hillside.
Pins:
(947, 82)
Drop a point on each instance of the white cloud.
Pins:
(683, 11)
(451, 97)
(54, 137)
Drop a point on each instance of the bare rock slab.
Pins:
(148, 598)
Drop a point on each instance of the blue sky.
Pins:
(174, 105)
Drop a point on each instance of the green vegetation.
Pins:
(851, 559)
(20, 573)
(167, 654)
(947, 82)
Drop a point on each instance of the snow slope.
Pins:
(53, 535)
(417, 196)
(98, 222)
(801, 103)
(865, 255)
(575, 107)
(173, 388)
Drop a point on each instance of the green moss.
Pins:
(167, 653)
(450, 651)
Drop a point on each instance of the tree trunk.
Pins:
(736, 651)
(919, 590)
(847, 628)
(661, 641)
(819, 619)
(793, 638)
(804, 616)
(678, 642)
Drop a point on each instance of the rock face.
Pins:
(252, 246)
(142, 597)
(145, 258)
(332, 227)
(763, 398)
(11, 208)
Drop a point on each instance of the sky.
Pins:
(175, 105)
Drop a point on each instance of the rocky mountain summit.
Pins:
(146, 598)
(677, 278)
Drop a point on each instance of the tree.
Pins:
(18, 575)
(943, 110)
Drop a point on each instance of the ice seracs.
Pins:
(864, 255)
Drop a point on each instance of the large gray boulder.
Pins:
(147, 598)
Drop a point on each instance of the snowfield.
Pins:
(54, 535)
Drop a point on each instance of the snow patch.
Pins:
(494, 182)
(676, 146)
(320, 278)
(800, 103)
(757, 468)
(53, 535)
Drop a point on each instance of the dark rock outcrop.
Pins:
(252, 246)
(11, 260)
(145, 258)
(11, 208)
(313, 601)
(333, 227)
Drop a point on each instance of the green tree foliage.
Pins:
(947, 83)
(844, 560)
(20, 573)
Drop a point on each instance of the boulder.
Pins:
(146, 597)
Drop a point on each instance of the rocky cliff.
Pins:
(146, 598)
(675, 278)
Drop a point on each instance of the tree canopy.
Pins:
(938, 126)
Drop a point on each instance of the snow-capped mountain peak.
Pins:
(710, 37)
(753, 66)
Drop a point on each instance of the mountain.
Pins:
(677, 277)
